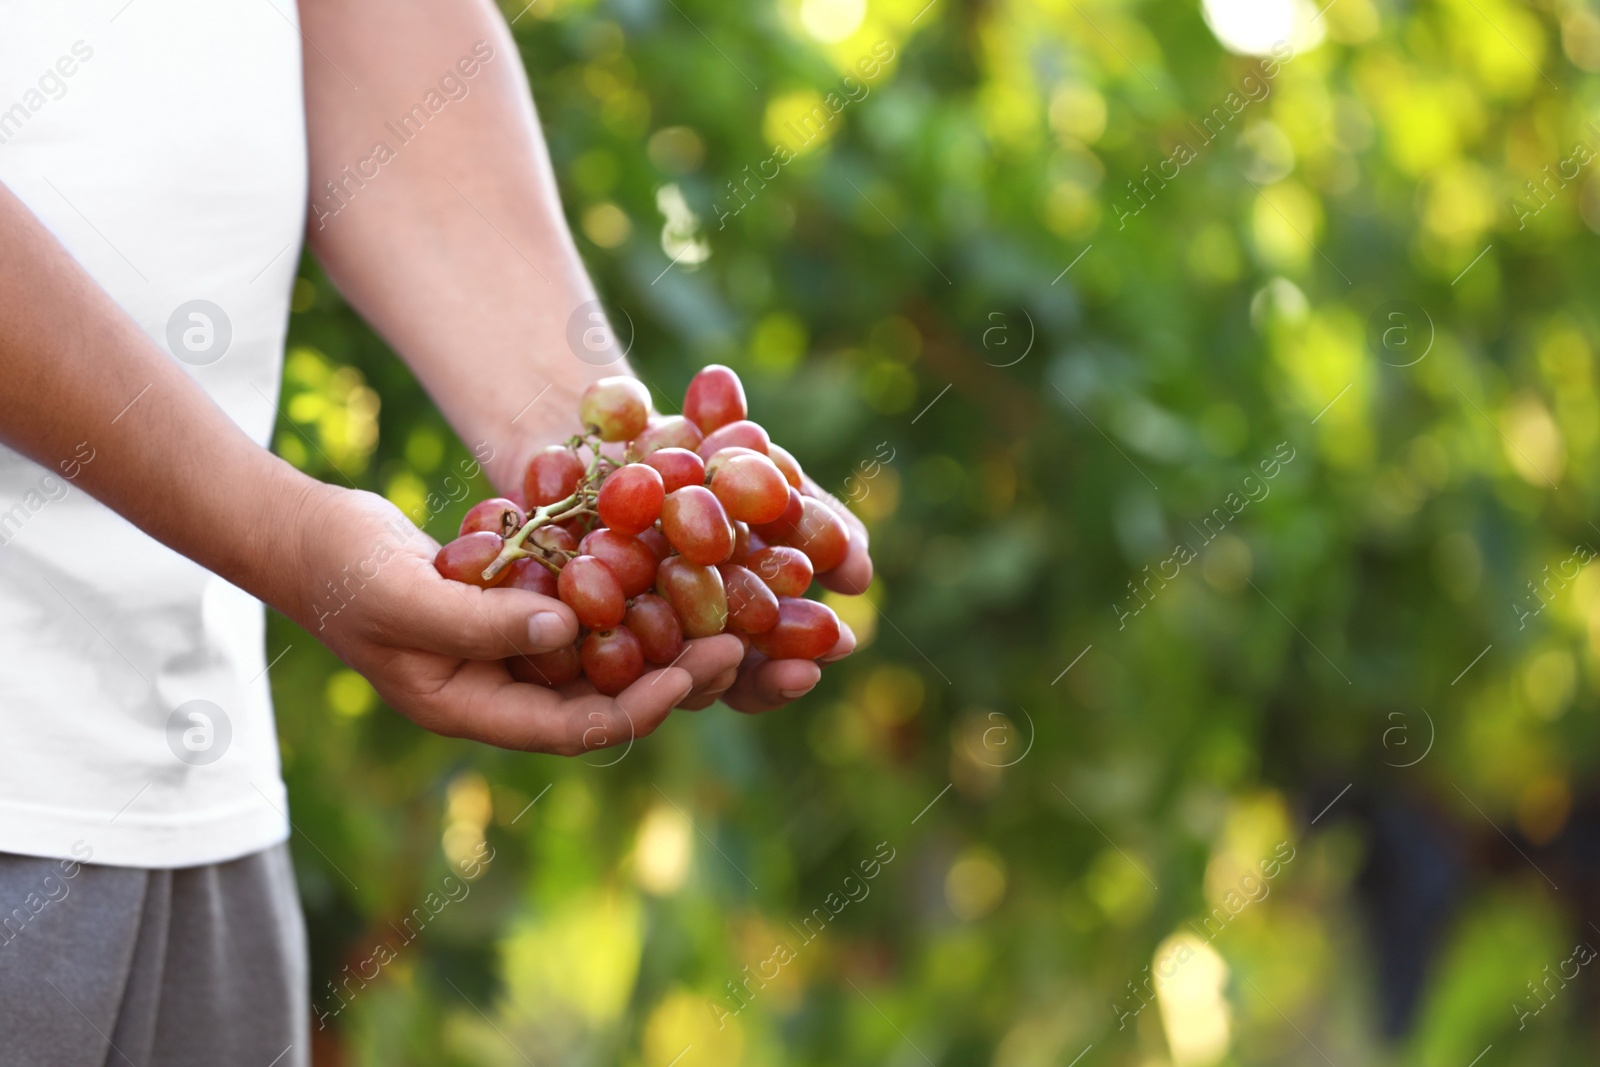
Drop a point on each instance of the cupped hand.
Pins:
(763, 684)
(434, 649)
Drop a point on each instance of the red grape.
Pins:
(670, 431)
(820, 534)
(615, 408)
(592, 591)
(741, 543)
(466, 558)
(630, 498)
(612, 660)
(657, 542)
(752, 607)
(656, 625)
(554, 538)
(715, 398)
(787, 571)
(696, 594)
(751, 489)
(784, 525)
(549, 669)
(531, 575)
(553, 474)
(745, 434)
(696, 525)
(715, 463)
(805, 630)
(496, 515)
(787, 464)
(678, 467)
(631, 561)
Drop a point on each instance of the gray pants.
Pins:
(119, 967)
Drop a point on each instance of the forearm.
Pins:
(78, 371)
(455, 249)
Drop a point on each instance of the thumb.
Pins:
(464, 621)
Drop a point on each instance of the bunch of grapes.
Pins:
(702, 529)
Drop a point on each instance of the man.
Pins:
(155, 157)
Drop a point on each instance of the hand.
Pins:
(433, 648)
(764, 684)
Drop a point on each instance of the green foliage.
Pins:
(1076, 739)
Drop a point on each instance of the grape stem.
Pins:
(560, 511)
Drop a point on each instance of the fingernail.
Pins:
(794, 694)
(546, 628)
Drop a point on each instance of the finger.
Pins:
(766, 684)
(482, 703)
(854, 574)
(704, 696)
(464, 621)
(842, 647)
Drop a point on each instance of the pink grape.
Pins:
(467, 557)
(656, 625)
(591, 590)
(788, 465)
(787, 571)
(630, 498)
(669, 431)
(631, 561)
(615, 408)
(549, 669)
(821, 534)
(715, 397)
(752, 607)
(805, 630)
(612, 659)
(744, 434)
(714, 464)
(554, 538)
(496, 515)
(678, 467)
(784, 525)
(531, 575)
(696, 525)
(657, 542)
(751, 489)
(697, 595)
(553, 474)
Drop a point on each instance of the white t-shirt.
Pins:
(163, 143)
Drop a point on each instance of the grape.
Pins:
(612, 660)
(670, 431)
(741, 543)
(714, 464)
(787, 464)
(678, 467)
(820, 534)
(554, 538)
(787, 571)
(630, 498)
(805, 630)
(752, 607)
(496, 515)
(784, 525)
(549, 669)
(656, 625)
(588, 587)
(751, 489)
(696, 525)
(631, 561)
(553, 474)
(657, 542)
(531, 575)
(466, 558)
(745, 434)
(696, 594)
(615, 408)
(715, 398)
